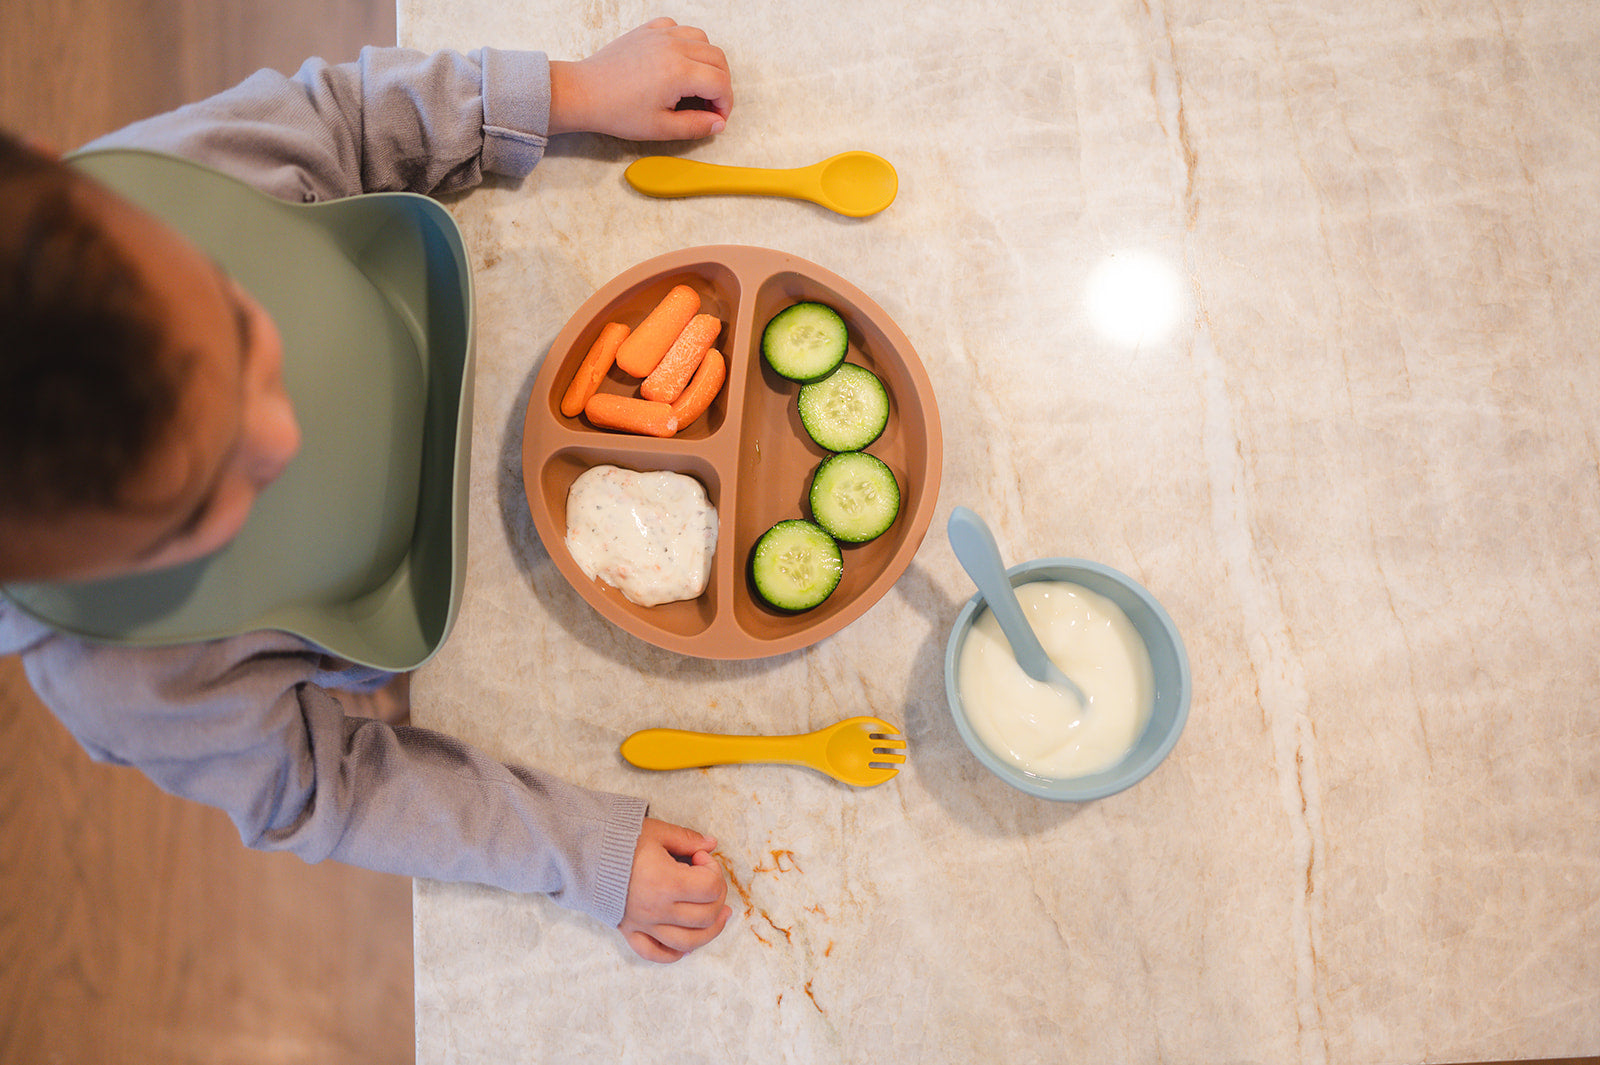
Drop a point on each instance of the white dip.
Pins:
(650, 535)
(1036, 727)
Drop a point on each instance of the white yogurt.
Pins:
(649, 535)
(1036, 727)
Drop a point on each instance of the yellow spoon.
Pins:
(860, 750)
(852, 183)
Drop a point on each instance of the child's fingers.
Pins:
(695, 915)
(710, 82)
(650, 949)
(687, 885)
(703, 53)
(682, 842)
(687, 33)
(700, 885)
(707, 115)
(690, 937)
(687, 125)
(677, 898)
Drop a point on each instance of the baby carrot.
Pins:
(593, 369)
(631, 414)
(672, 373)
(651, 338)
(696, 399)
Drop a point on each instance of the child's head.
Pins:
(142, 407)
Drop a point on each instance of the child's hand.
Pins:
(632, 86)
(673, 907)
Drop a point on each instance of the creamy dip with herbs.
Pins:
(649, 535)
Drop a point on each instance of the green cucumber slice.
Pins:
(805, 342)
(854, 497)
(845, 411)
(796, 565)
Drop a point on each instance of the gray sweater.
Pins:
(254, 724)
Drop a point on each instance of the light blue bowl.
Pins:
(1169, 666)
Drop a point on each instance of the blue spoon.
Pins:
(979, 555)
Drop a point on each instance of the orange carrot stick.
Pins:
(593, 369)
(651, 338)
(672, 373)
(631, 414)
(696, 399)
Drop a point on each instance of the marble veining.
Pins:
(1289, 311)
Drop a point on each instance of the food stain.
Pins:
(788, 933)
(738, 885)
(778, 858)
(783, 861)
(750, 908)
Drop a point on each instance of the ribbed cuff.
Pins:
(616, 859)
(516, 110)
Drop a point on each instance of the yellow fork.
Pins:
(863, 751)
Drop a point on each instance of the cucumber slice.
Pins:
(805, 342)
(854, 497)
(796, 565)
(845, 411)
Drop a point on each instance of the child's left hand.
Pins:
(631, 88)
(673, 907)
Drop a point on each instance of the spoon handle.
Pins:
(668, 175)
(979, 555)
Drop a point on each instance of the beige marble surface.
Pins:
(1351, 441)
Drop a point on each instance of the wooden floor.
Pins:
(134, 928)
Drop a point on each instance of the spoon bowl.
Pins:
(854, 183)
(857, 183)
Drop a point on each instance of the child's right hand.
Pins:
(632, 86)
(673, 907)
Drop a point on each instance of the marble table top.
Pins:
(1287, 310)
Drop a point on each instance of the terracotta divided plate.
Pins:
(748, 450)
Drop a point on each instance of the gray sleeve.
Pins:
(394, 120)
(249, 724)
(241, 724)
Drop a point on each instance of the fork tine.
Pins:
(872, 754)
(887, 745)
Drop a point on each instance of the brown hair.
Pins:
(84, 393)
